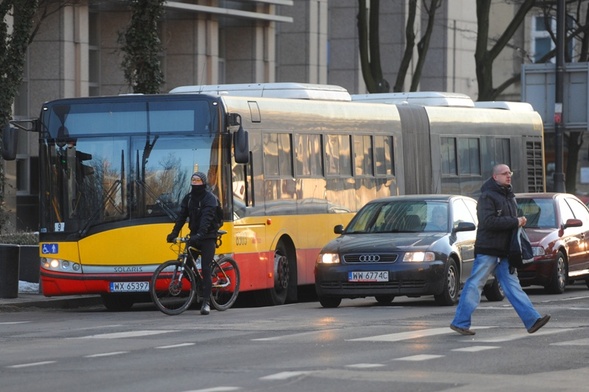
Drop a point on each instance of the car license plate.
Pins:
(368, 276)
(129, 287)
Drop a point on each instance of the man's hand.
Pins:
(521, 221)
(171, 237)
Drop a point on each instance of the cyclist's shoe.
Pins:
(205, 308)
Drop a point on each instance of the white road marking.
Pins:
(521, 335)
(396, 337)
(474, 349)
(24, 365)
(176, 345)
(106, 354)
(579, 342)
(120, 335)
(294, 335)
(365, 365)
(13, 322)
(216, 389)
(284, 375)
(420, 357)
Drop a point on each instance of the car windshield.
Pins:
(539, 212)
(400, 216)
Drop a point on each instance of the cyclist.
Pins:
(198, 208)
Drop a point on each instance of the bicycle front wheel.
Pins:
(173, 287)
(225, 283)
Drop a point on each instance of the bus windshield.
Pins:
(104, 165)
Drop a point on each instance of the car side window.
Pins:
(565, 211)
(461, 213)
(579, 210)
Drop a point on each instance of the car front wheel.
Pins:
(449, 295)
(559, 276)
(329, 302)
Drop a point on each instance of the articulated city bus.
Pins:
(288, 162)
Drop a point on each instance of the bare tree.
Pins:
(576, 37)
(485, 55)
(370, 47)
(368, 25)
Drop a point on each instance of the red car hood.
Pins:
(536, 235)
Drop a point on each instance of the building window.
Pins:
(542, 42)
(93, 55)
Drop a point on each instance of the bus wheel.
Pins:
(117, 302)
(277, 294)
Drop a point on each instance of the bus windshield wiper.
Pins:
(108, 198)
(169, 212)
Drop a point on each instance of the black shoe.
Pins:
(539, 323)
(205, 309)
(462, 331)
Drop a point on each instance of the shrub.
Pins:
(20, 238)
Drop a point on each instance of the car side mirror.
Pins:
(573, 223)
(338, 229)
(465, 226)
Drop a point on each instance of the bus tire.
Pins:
(283, 269)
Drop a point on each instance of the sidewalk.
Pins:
(29, 297)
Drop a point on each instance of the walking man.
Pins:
(497, 216)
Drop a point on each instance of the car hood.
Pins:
(383, 242)
(537, 235)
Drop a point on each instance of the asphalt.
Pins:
(29, 297)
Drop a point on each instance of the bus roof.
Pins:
(425, 98)
(506, 105)
(272, 90)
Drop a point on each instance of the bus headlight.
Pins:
(61, 265)
(328, 258)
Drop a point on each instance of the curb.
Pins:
(38, 301)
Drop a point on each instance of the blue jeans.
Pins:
(483, 266)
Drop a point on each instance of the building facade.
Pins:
(76, 52)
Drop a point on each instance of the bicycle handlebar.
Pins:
(185, 239)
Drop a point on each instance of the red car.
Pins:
(558, 228)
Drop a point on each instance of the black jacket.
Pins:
(200, 213)
(497, 215)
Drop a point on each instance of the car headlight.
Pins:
(538, 251)
(418, 257)
(328, 258)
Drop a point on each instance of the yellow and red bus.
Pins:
(288, 162)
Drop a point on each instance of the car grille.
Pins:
(393, 284)
(357, 258)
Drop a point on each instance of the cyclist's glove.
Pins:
(171, 237)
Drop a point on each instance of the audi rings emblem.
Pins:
(369, 258)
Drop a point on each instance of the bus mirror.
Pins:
(241, 146)
(9, 143)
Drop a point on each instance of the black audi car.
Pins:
(402, 246)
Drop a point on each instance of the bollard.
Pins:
(9, 265)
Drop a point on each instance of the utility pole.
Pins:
(559, 183)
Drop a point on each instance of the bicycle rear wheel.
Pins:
(225, 283)
(173, 287)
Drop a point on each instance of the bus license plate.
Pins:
(129, 287)
(368, 276)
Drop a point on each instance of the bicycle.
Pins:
(176, 283)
